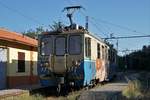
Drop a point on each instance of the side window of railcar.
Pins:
(113, 56)
(106, 53)
(103, 52)
(109, 55)
(88, 47)
(98, 51)
(75, 44)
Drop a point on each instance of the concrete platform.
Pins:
(11, 93)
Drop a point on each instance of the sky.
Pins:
(120, 17)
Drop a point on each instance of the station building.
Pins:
(18, 60)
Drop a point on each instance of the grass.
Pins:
(139, 88)
(71, 96)
(27, 97)
(133, 90)
(74, 95)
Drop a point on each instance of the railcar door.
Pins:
(60, 54)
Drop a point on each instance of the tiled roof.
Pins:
(17, 37)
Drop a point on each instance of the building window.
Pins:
(75, 44)
(87, 47)
(98, 51)
(21, 62)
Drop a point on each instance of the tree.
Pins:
(138, 60)
(56, 26)
(34, 33)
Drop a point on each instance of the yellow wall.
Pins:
(12, 68)
(35, 57)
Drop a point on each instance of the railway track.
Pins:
(102, 90)
(50, 92)
(110, 91)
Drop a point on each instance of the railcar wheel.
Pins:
(58, 89)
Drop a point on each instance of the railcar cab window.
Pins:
(46, 46)
(75, 44)
(60, 46)
(88, 47)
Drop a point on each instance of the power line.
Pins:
(69, 2)
(20, 13)
(110, 23)
(100, 25)
(97, 27)
(95, 24)
(119, 26)
(125, 50)
(124, 37)
(116, 25)
(72, 2)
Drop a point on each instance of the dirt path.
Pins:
(109, 91)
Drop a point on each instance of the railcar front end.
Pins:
(61, 58)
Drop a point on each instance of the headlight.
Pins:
(76, 63)
(41, 64)
(46, 64)
(43, 53)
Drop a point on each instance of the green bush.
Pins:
(133, 90)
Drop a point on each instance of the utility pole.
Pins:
(86, 23)
(125, 51)
(117, 59)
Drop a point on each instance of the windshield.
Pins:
(75, 44)
(46, 46)
(60, 46)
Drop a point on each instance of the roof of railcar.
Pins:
(75, 31)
